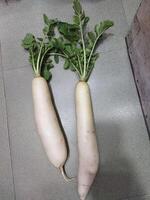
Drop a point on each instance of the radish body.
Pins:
(87, 143)
(47, 123)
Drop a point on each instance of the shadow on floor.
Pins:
(116, 179)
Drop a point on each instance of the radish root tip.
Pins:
(66, 178)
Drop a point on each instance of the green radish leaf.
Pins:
(69, 31)
(46, 70)
(68, 49)
(76, 20)
(49, 45)
(46, 20)
(97, 27)
(45, 30)
(56, 58)
(29, 38)
(83, 15)
(56, 43)
(53, 21)
(60, 43)
(47, 74)
(106, 24)
(26, 46)
(92, 36)
(103, 26)
(88, 50)
(40, 39)
(53, 41)
(72, 68)
(86, 20)
(66, 64)
(50, 24)
(29, 41)
(77, 7)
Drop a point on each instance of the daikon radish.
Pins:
(48, 127)
(77, 47)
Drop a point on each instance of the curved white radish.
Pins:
(48, 125)
(87, 143)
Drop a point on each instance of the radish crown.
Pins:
(78, 46)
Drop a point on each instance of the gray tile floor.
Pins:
(25, 173)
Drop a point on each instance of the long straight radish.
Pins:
(77, 47)
(47, 123)
(48, 127)
(87, 143)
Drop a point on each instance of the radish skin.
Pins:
(87, 143)
(48, 125)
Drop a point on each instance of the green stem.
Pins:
(91, 53)
(78, 72)
(88, 74)
(84, 51)
(79, 64)
(42, 58)
(51, 54)
(62, 55)
(38, 60)
(58, 54)
(93, 48)
(33, 63)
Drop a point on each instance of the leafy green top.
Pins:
(77, 46)
(74, 44)
(40, 49)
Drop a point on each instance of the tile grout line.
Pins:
(7, 127)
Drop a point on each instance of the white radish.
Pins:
(87, 143)
(80, 56)
(48, 125)
(46, 118)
